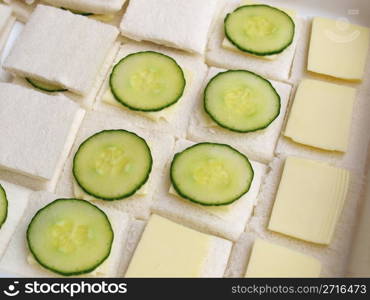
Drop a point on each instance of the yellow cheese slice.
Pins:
(167, 249)
(321, 115)
(309, 200)
(271, 260)
(338, 49)
(226, 44)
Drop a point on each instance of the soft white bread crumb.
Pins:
(17, 197)
(277, 69)
(229, 224)
(73, 66)
(90, 6)
(174, 23)
(37, 132)
(16, 259)
(334, 258)
(216, 262)
(136, 230)
(259, 145)
(161, 146)
(195, 71)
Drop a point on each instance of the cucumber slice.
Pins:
(211, 174)
(112, 164)
(77, 12)
(241, 101)
(259, 29)
(147, 81)
(70, 237)
(47, 87)
(3, 206)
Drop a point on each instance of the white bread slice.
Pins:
(21, 10)
(217, 255)
(277, 69)
(6, 24)
(259, 145)
(195, 71)
(227, 224)
(161, 147)
(88, 100)
(38, 131)
(17, 259)
(17, 197)
(73, 66)
(175, 23)
(91, 6)
(136, 230)
(334, 258)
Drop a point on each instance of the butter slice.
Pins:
(321, 115)
(271, 260)
(226, 44)
(167, 249)
(338, 49)
(309, 200)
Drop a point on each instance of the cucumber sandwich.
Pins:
(211, 174)
(147, 81)
(70, 237)
(241, 101)
(259, 29)
(112, 164)
(3, 206)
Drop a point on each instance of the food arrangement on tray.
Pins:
(182, 138)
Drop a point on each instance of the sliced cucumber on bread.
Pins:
(46, 87)
(112, 164)
(147, 81)
(211, 174)
(259, 29)
(3, 206)
(241, 101)
(70, 237)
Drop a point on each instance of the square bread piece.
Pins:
(168, 249)
(225, 221)
(221, 53)
(161, 147)
(338, 49)
(18, 260)
(183, 24)
(259, 145)
(75, 65)
(37, 132)
(321, 115)
(17, 198)
(309, 200)
(6, 24)
(90, 6)
(271, 260)
(172, 120)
